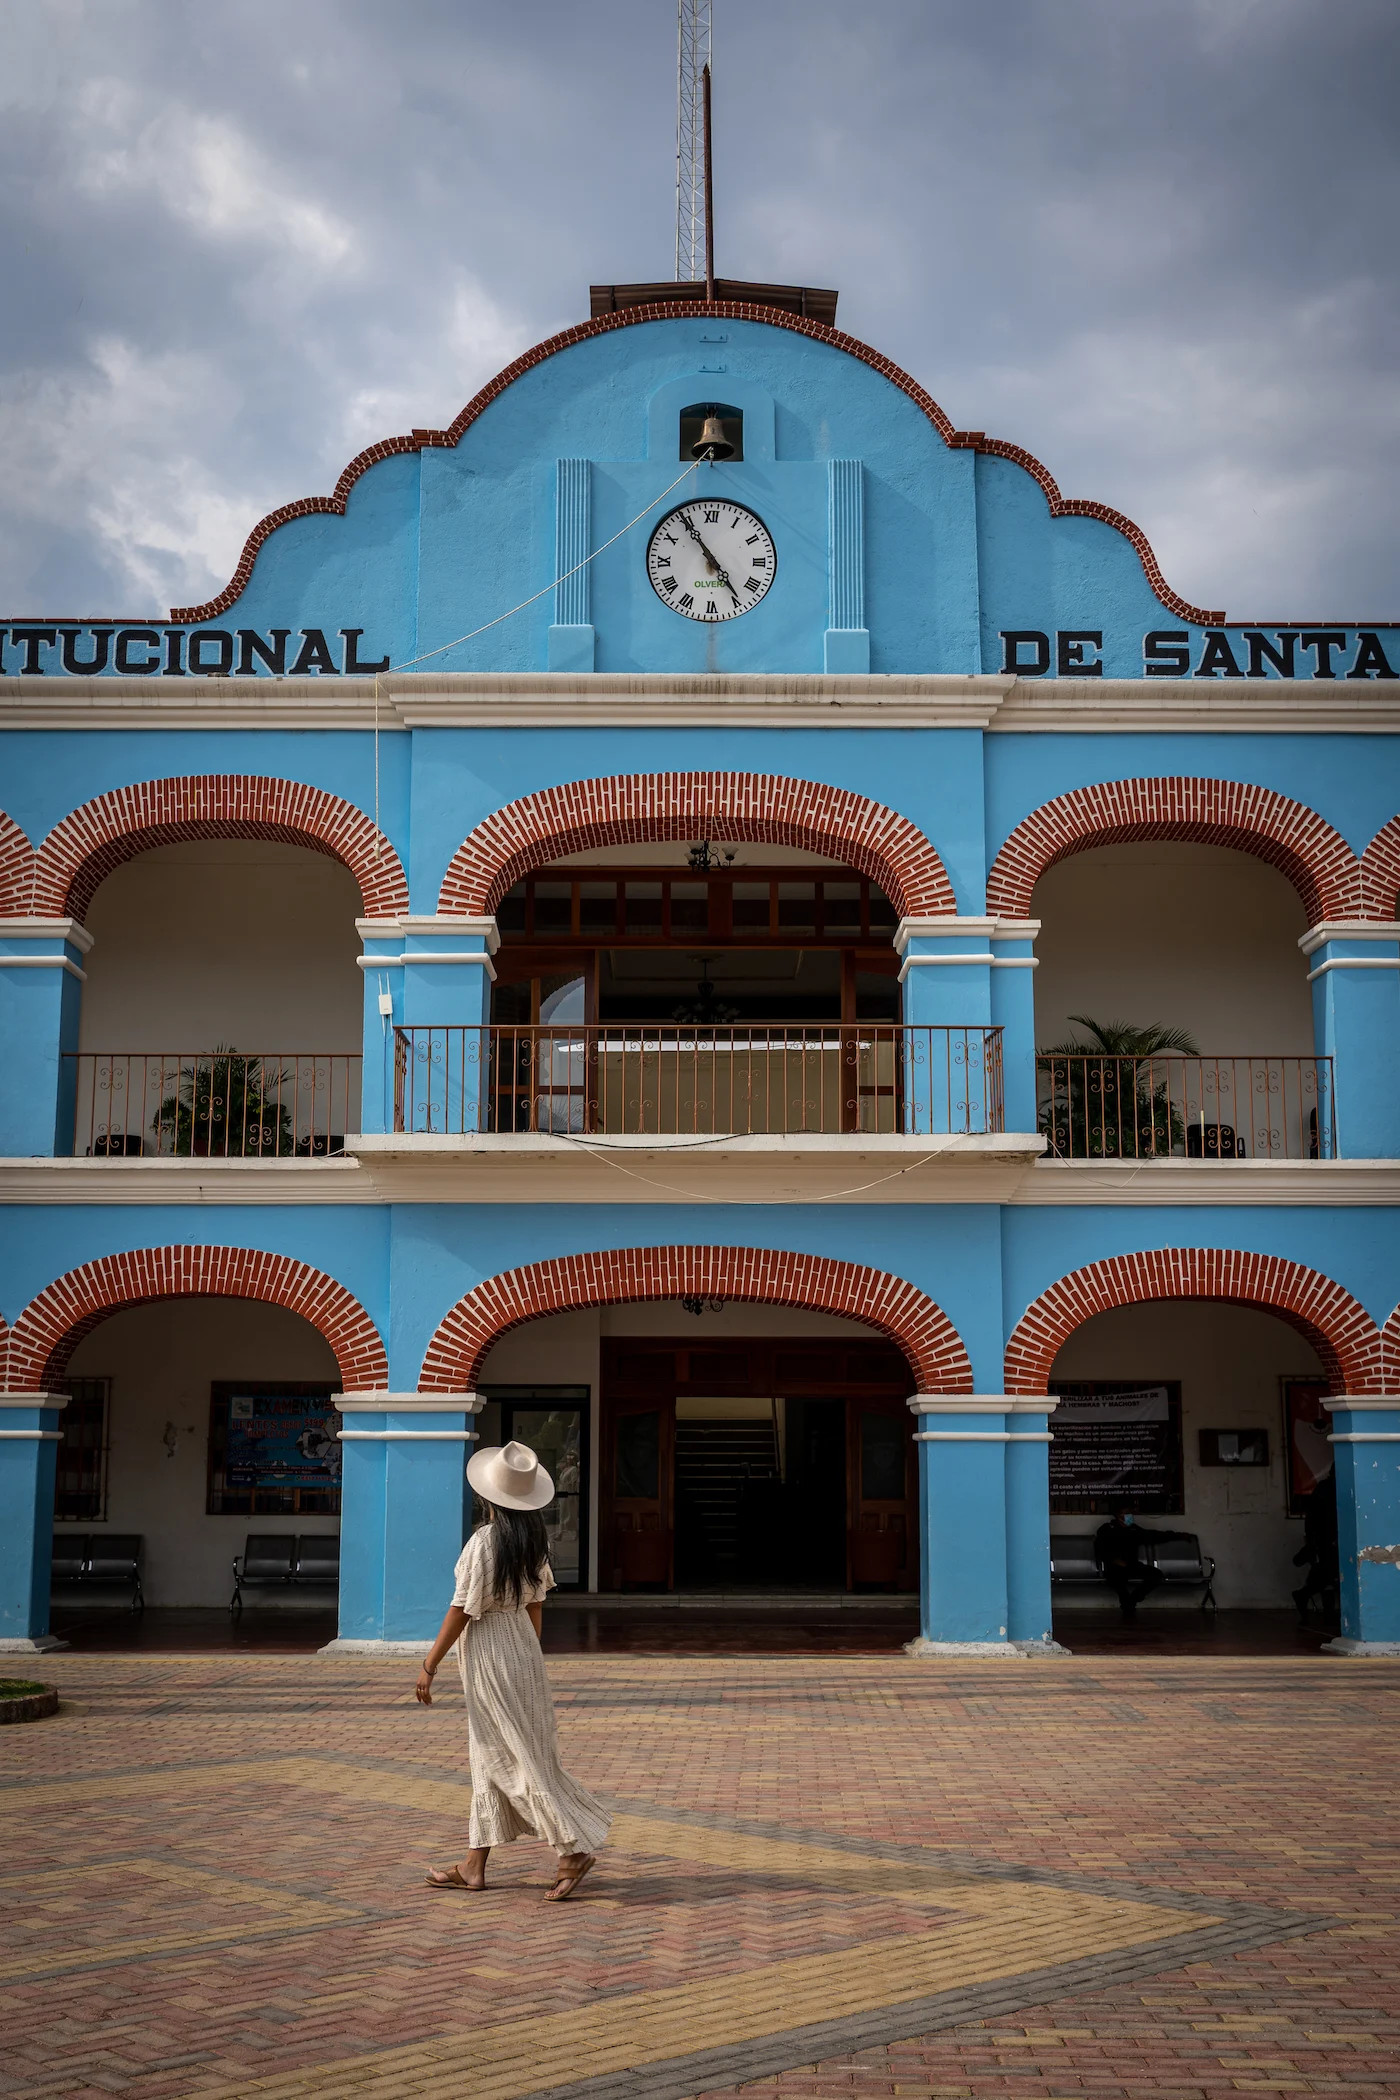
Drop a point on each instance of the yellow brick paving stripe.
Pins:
(1217, 1819)
(636, 1836)
(43, 1892)
(617, 2034)
(349, 1782)
(1003, 1928)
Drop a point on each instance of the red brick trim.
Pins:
(632, 808)
(723, 309)
(16, 869)
(1380, 873)
(81, 851)
(1293, 838)
(1390, 1345)
(755, 1275)
(47, 1331)
(1342, 1331)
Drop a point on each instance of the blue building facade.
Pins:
(637, 923)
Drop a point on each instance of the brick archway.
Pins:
(639, 808)
(1343, 1333)
(1293, 838)
(1380, 873)
(82, 850)
(48, 1330)
(755, 1275)
(1390, 1354)
(16, 868)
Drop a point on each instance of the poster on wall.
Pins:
(1307, 1426)
(1116, 1445)
(274, 1449)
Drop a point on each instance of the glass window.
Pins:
(877, 996)
(80, 1491)
(881, 1457)
(510, 912)
(644, 907)
(883, 916)
(554, 907)
(555, 1435)
(562, 1001)
(841, 901)
(511, 1004)
(553, 1422)
(638, 1474)
(597, 907)
(690, 907)
(751, 907)
(797, 907)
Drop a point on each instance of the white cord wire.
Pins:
(428, 654)
(737, 1202)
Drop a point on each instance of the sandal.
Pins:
(452, 1879)
(566, 1881)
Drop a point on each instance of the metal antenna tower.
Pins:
(692, 62)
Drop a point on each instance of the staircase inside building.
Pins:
(728, 1494)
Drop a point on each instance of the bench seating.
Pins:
(99, 1559)
(281, 1560)
(1176, 1555)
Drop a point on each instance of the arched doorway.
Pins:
(193, 1423)
(703, 988)
(747, 1408)
(706, 1446)
(1204, 1420)
(222, 1009)
(240, 1324)
(1244, 1402)
(1190, 952)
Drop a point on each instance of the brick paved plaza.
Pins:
(831, 1875)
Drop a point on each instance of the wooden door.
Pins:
(637, 1531)
(882, 1477)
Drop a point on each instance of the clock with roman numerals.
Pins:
(711, 560)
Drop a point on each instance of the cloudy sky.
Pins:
(1154, 241)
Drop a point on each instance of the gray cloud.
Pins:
(1154, 244)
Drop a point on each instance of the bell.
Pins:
(712, 442)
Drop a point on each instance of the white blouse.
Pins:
(474, 1574)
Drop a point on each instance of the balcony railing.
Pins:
(643, 1078)
(212, 1104)
(1097, 1107)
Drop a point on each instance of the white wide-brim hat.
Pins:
(511, 1476)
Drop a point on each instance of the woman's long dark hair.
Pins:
(522, 1551)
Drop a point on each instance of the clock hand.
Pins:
(722, 574)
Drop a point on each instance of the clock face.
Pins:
(711, 560)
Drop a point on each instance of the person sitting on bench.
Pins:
(1123, 1553)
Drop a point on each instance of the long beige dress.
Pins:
(519, 1787)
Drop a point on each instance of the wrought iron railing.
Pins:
(669, 1080)
(1099, 1107)
(212, 1104)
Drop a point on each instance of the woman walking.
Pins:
(519, 1787)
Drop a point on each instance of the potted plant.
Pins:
(224, 1106)
(1103, 1099)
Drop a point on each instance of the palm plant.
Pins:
(1104, 1099)
(220, 1108)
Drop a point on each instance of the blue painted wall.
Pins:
(961, 548)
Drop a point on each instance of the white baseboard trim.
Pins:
(977, 1651)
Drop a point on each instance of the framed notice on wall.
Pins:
(1116, 1445)
(273, 1449)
